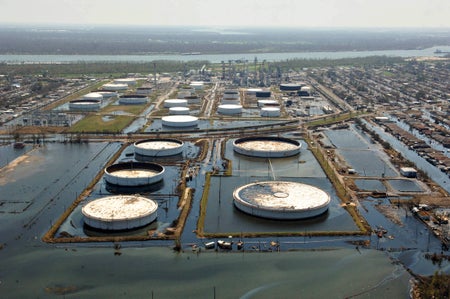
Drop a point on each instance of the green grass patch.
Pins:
(131, 109)
(98, 123)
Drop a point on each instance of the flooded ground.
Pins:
(39, 189)
(160, 273)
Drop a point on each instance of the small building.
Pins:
(408, 172)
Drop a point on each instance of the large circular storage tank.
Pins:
(132, 174)
(133, 99)
(175, 103)
(127, 81)
(158, 147)
(263, 94)
(267, 147)
(270, 112)
(84, 105)
(120, 212)
(179, 111)
(180, 121)
(231, 94)
(229, 109)
(281, 200)
(290, 87)
(144, 90)
(93, 96)
(263, 103)
(115, 86)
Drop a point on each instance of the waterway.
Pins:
(216, 58)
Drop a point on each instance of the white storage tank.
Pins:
(179, 111)
(180, 121)
(93, 96)
(132, 174)
(115, 86)
(120, 212)
(229, 109)
(267, 147)
(175, 103)
(158, 147)
(281, 200)
(270, 112)
(263, 103)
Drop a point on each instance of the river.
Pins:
(217, 58)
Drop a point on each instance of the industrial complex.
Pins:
(254, 162)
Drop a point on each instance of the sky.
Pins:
(231, 13)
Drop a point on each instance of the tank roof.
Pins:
(119, 207)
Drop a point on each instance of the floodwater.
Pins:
(160, 273)
(367, 159)
(433, 172)
(49, 178)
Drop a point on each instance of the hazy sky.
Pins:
(291, 13)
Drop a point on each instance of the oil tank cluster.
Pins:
(126, 212)
(120, 212)
(267, 147)
(282, 200)
(231, 103)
